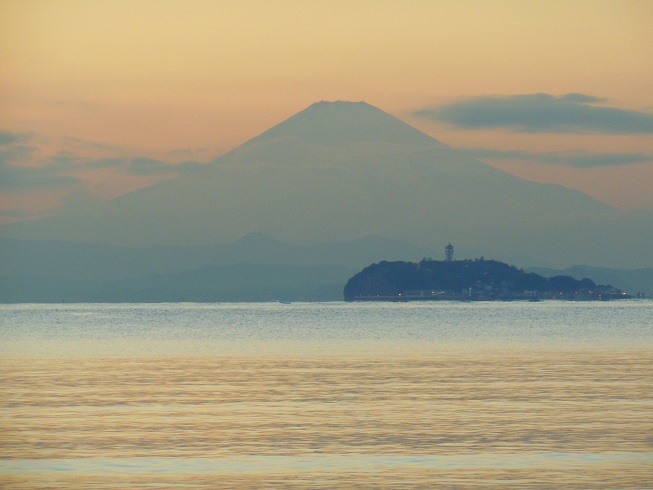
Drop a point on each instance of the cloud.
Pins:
(185, 168)
(143, 166)
(80, 199)
(580, 98)
(9, 137)
(570, 113)
(15, 152)
(13, 147)
(578, 159)
(138, 166)
(13, 176)
(148, 166)
(21, 178)
(79, 174)
(16, 213)
(54, 172)
(584, 160)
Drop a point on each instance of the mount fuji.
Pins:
(339, 171)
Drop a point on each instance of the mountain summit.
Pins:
(338, 171)
(342, 123)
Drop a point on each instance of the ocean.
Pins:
(327, 395)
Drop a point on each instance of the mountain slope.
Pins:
(338, 171)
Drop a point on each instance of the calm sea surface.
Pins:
(327, 395)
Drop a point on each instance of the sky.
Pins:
(101, 98)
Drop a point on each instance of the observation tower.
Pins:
(448, 252)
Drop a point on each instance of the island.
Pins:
(468, 280)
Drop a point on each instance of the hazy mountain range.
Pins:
(338, 173)
(254, 268)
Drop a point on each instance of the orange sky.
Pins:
(190, 79)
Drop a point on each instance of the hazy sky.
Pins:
(101, 97)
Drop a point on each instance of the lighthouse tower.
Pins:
(448, 252)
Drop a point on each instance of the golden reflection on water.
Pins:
(538, 419)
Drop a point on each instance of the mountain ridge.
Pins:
(304, 185)
(77, 272)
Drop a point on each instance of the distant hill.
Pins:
(339, 171)
(466, 280)
(631, 281)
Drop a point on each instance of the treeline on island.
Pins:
(477, 279)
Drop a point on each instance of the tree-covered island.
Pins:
(468, 280)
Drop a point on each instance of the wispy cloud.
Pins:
(579, 159)
(14, 146)
(17, 213)
(10, 137)
(143, 166)
(13, 153)
(570, 113)
(21, 178)
(25, 166)
(14, 149)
